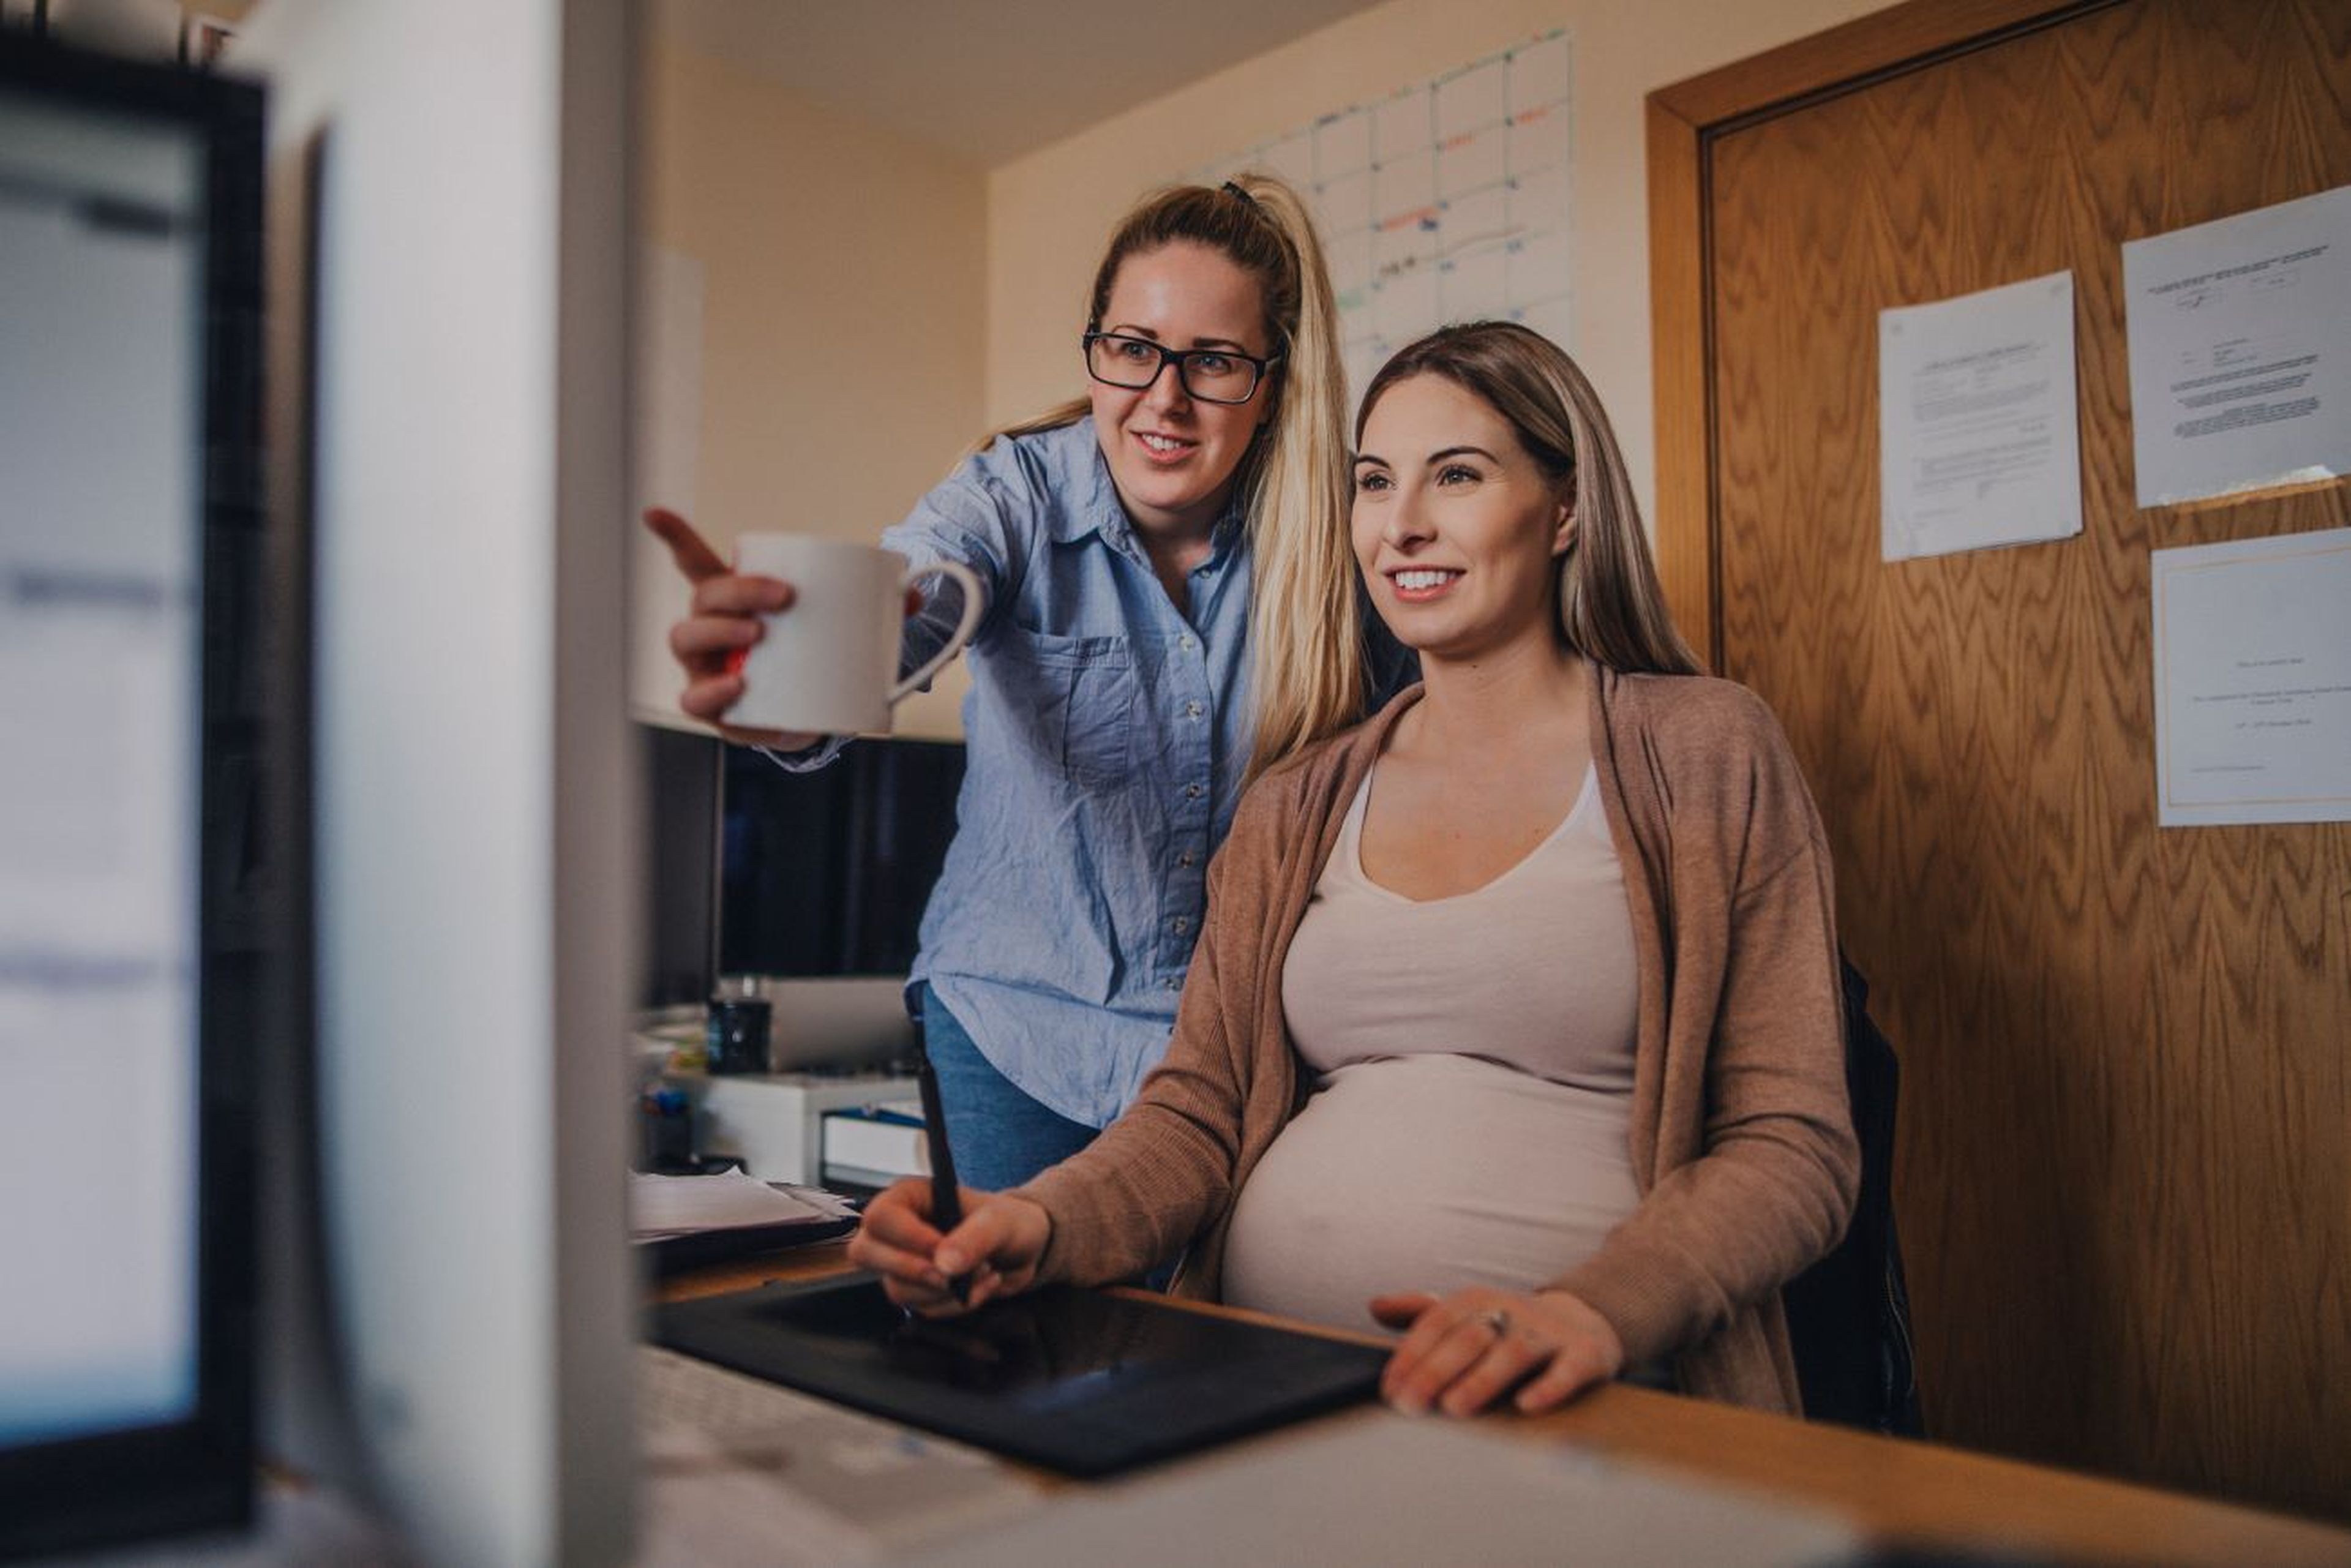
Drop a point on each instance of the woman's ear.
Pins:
(1563, 536)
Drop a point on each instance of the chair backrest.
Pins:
(1849, 1314)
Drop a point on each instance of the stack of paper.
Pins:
(665, 1205)
(688, 1220)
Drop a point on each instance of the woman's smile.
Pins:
(1163, 450)
(1420, 585)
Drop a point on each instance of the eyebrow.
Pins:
(1145, 332)
(1439, 456)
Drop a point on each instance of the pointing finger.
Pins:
(688, 548)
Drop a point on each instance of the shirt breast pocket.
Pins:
(1089, 703)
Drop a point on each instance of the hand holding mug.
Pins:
(831, 666)
(722, 623)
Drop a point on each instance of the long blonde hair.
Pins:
(1307, 678)
(1611, 609)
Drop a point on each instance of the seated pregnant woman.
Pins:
(1515, 1023)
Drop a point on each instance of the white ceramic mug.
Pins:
(828, 666)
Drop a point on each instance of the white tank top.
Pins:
(1471, 1061)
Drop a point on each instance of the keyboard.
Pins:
(740, 1471)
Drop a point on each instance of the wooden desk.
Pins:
(1893, 1491)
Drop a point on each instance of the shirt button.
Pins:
(1186, 859)
(1174, 985)
(1183, 923)
(1185, 644)
(1191, 710)
(1191, 791)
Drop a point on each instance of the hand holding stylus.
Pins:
(995, 1245)
(933, 1258)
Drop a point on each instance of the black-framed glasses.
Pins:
(1212, 375)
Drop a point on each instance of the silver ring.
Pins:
(1494, 1318)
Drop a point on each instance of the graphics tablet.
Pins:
(1077, 1381)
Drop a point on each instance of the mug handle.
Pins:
(972, 607)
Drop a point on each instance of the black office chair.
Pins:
(1849, 1314)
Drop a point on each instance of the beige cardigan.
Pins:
(1741, 1139)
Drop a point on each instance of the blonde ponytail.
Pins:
(1306, 641)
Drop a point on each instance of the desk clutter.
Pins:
(767, 1023)
(734, 1164)
(778, 1126)
(680, 1222)
(810, 1065)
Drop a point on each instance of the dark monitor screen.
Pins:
(750, 869)
(679, 900)
(133, 935)
(826, 873)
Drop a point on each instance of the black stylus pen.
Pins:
(946, 1198)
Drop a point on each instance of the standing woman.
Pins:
(1167, 611)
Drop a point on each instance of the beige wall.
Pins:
(870, 305)
(1048, 214)
(843, 311)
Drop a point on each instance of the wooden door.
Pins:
(2124, 1179)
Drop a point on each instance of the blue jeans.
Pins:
(999, 1135)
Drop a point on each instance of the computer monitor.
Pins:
(808, 887)
(452, 1309)
(754, 869)
(825, 875)
(681, 773)
(139, 938)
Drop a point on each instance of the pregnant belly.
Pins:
(1426, 1173)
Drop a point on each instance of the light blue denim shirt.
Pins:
(1107, 733)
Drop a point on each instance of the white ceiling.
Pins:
(988, 81)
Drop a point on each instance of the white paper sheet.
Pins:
(2241, 350)
(2253, 680)
(1978, 436)
(663, 1205)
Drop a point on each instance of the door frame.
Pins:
(1683, 120)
